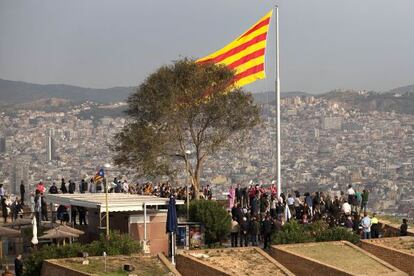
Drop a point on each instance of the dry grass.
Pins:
(143, 265)
(341, 256)
(405, 244)
(240, 262)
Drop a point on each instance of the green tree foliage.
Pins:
(118, 244)
(215, 218)
(293, 232)
(337, 234)
(185, 111)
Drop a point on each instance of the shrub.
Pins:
(316, 227)
(215, 218)
(118, 244)
(292, 232)
(337, 234)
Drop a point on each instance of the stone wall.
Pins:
(397, 258)
(188, 266)
(51, 269)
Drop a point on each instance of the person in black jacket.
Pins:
(267, 231)
(253, 231)
(18, 265)
(44, 208)
(63, 187)
(4, 209)
(239, 194)
(237, 212)
(83, 187)
(22, 192)
(82, 215)
(53, 189)
(404, 228)
(244, 232)
(72, 187)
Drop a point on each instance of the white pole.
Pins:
(145, 225)
(107, 209)
(173, 248)
(188, 201)
(277, 91)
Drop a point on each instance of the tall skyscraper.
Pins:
(50, 147)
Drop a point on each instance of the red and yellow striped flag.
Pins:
(246, 54)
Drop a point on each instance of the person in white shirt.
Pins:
(351, 195)
(346, 208)
(366, 226)
(125, 187)
(350, 190)
(2, 191)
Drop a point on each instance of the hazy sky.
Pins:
(325, 44)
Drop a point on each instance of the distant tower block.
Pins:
(50, 147)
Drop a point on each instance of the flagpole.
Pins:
(277, 91)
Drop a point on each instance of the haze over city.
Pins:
(325, 44)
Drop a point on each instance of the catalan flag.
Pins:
(99, 175)
(246, 54)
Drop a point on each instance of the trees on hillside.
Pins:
(184, 111)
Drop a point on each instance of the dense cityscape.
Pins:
(325, 147)
(239, 138)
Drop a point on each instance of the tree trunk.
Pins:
(196, 188)
(196, 176)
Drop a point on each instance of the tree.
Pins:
(183, 112)
(216, 220)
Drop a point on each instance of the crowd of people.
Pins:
(258, 212)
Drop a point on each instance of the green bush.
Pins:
(215, 218)
(118, 244)
(292, 232)
(316, 227)
(337, 234)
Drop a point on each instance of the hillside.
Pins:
(399, 100)
(16, 92)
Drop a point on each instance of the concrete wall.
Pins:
(51, 269)
(302, 266)
(188, 266)
(397, 258)
(168, 264)
(156, 232)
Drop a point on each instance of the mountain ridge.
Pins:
(19, 94)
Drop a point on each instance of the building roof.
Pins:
(117, 202)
